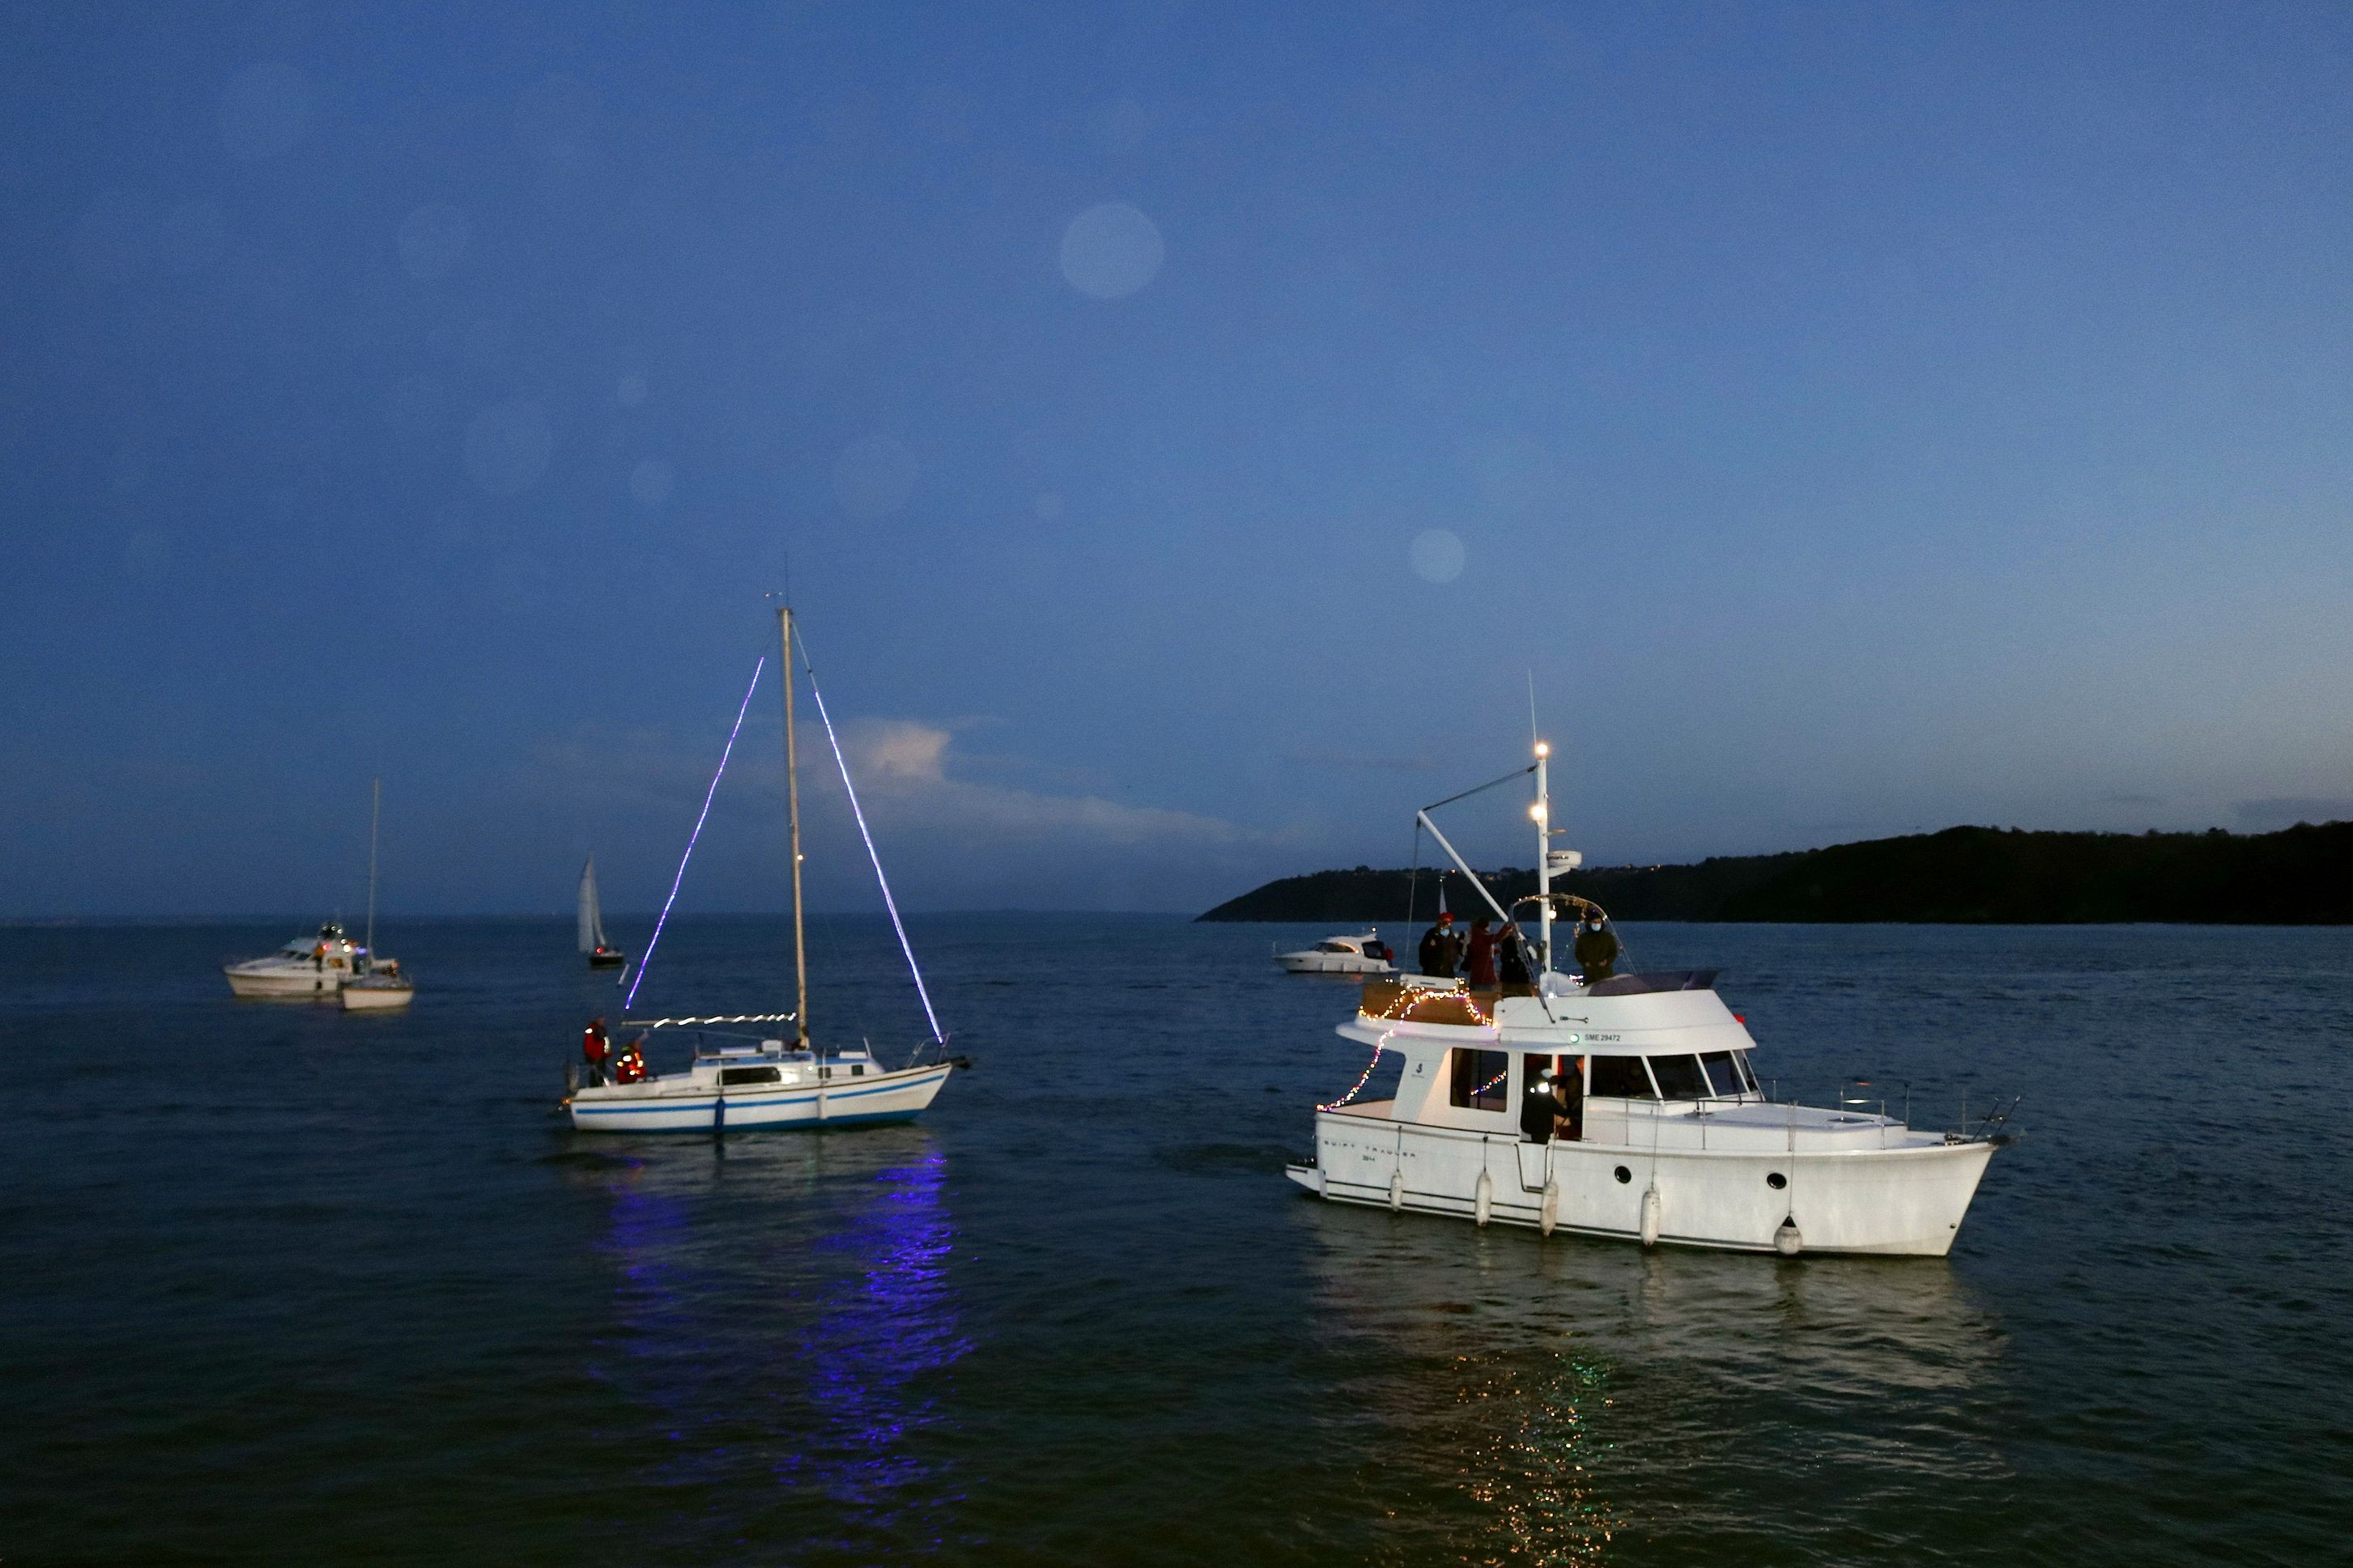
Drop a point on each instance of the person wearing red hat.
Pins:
(1440, 948)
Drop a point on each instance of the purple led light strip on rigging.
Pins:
(631, 999)
(855, 810)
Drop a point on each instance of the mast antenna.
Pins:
(376, 813)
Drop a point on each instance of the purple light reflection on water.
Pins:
(776, 1313)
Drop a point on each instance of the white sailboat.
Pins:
(751, 1082)
(592, 946)
(379, 987)
(1657, 1129)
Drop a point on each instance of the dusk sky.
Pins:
(1186, 428)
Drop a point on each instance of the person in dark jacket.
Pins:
(1440, 949)
(1511, 960)
(1540, 1110)
(1568, 1092)
(1596, 947)
(1480, 965)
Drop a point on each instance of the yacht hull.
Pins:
(1331, 963)
(668, 1106)
(1906, 1202)
(285, 985)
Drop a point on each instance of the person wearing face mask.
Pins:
(1597, 947)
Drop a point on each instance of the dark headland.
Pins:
(2300, 876)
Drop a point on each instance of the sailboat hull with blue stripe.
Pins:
(737, 1090)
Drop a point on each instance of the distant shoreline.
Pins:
(1962, 876)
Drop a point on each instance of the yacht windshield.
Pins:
(1623, 1078)
(1723, 1074)
(1680, 1078)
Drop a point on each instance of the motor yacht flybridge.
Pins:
(739, 1081)
(1672, 1140)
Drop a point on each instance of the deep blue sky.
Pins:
(1188, 426)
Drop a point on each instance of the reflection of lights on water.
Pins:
(802, 1324)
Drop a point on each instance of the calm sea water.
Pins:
(280, 1284)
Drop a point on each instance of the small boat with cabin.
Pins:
(1658, 1130)
(1362, 954)
(736, 1080)
(307, 969)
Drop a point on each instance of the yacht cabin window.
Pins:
(1724, 1073)
(1479, 1080)
(1679, 1078)
(1622, 1078)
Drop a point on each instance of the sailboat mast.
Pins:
(793, 796)
(375, 814)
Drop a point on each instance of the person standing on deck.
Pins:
(1596, 947)
(1568, 1097)
(1540, 1110)
(1440, 949)
(1481, 966)
(1512, 960)
(596, 1047)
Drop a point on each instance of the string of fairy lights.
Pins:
(1399, 1010)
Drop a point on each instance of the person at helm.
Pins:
(1597, 947)
(1540, 1110)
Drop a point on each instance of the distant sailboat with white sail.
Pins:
(600, 955)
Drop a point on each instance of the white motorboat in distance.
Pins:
(751, 1082)
(308, 969)
(1364, 955)
(1674, 1142)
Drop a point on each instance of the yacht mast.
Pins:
(1542, 812)
(376, 813)
(793, 795)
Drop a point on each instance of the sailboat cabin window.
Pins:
(1622, 1078)
(1479, 1080)
(750, 1075)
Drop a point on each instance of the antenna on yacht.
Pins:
(375, 812)
(1542, 812)
(793, 798)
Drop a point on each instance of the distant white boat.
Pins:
(379, 992)
(305, 969)
(746, 1081)
(1365, 954)
(599, 954)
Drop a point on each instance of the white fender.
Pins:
(1397, 1191)
(1482, 1202)
(1650, 1214)
(1787, 1241)
(1549, 1215)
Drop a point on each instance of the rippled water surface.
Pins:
(281, 1284)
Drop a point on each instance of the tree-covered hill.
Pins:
(2302, 876)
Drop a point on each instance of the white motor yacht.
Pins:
(1668, 1137)
(750, 1081)
(1365, 954)
(307, 968)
